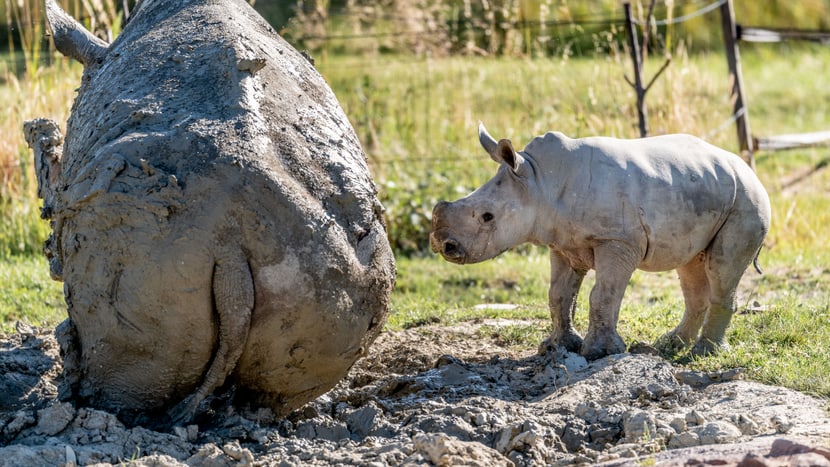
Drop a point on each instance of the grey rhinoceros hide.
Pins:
(214, 216)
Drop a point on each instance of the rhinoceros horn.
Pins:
(501, 151)
(487, 142)
(71, 38)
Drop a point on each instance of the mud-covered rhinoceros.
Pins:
(613, 205)
(214, 218)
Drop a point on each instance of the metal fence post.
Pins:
(733, 58)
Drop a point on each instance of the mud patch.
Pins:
(435, 395)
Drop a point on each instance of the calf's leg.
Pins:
(564, 289)
(730, 253)
(695, 286)
(614, 263)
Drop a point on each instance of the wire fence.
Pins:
(584, 28)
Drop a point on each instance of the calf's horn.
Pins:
(487, 142)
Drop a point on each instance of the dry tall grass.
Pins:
(49, 93)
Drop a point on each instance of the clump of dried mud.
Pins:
(436, 395)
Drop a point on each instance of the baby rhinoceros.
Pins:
(214, 218)
(613, 205)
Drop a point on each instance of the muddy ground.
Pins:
(437, 396)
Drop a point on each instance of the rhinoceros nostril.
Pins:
(450, 247)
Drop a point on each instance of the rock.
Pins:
(574, 362)
(236, 452)
(54, 418)
(19, 455)
(156, 460)
(781, 423)
(639, 426)
(678, 424)
(444, 451)
(361, 421)
(746, 424)
(20, 420)
(684, 440)
(718, 432)
(209, 455)
(694, 418)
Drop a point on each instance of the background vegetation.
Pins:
(415, 91)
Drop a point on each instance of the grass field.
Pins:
(417, 120)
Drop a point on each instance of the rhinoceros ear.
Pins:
(501, 152)
(505, 154)
(72, 39)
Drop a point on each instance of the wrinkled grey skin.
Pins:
(661, 203)
(214, 218)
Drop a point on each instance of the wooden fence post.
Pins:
(633, 44)
(733, 58)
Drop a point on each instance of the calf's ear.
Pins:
(501, 152)
(505, 154)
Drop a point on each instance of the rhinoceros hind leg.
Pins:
(695, 286)
(565, 282)
(233, 291)
(728, 256)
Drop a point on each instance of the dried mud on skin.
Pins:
(436, 396)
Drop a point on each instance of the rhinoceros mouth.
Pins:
(449, 248)
(457, 259)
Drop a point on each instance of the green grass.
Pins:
(28, 295)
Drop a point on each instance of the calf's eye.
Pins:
(487, 217)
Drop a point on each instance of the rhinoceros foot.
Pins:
(671, 343)
(571, 341)
(597, 345)
(705, 347)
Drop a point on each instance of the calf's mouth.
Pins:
(447, 247)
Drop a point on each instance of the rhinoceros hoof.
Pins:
(597, 346)
(572, 342)
(671, 343)
(705, 347)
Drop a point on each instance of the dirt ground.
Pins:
(437, 395)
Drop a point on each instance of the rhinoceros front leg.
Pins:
(565, 282)
(233, 291)
(614, 263)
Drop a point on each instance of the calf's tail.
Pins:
(755, 260)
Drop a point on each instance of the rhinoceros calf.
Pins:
(612, 205)
(214, 216)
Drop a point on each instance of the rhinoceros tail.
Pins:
(755, 260)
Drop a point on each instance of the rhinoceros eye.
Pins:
(487, 217)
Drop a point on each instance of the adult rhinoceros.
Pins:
(214, 216)
(612, 205)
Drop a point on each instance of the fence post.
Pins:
(733, 58)
(633, 44)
